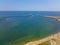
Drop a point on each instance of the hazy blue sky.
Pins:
(30, 5)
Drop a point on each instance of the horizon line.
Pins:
(21, 10)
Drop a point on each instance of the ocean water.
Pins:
(20, 26)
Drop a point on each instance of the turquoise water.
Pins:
(21, 26)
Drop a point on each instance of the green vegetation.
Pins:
(45, 43)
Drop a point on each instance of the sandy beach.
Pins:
(54, 38)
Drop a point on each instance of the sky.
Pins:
(29, 5)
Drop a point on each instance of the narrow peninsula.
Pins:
(55, 17)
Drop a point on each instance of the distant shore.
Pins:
(55, 17)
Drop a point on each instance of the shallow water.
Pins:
(22, 26)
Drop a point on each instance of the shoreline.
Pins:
(53, 36)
